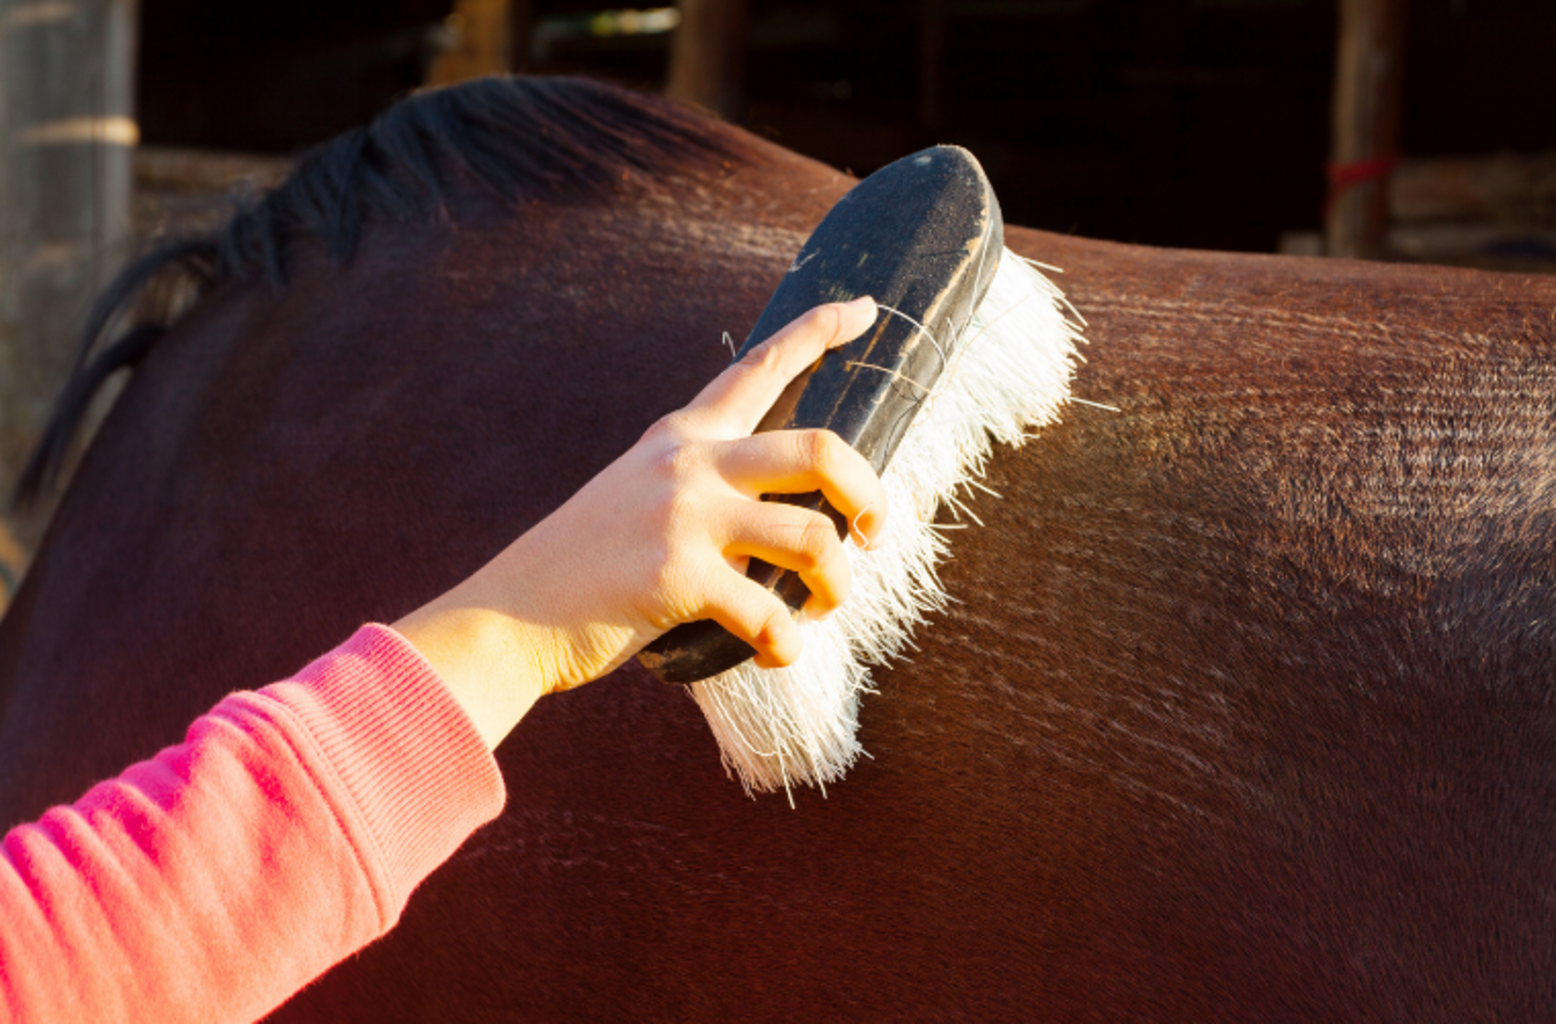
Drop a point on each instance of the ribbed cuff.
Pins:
(416, 773)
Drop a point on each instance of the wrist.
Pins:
(491, 663)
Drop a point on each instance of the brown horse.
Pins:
(1246, 711)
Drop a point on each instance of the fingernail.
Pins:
(861, 302)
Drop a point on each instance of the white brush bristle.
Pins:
(1010, 373)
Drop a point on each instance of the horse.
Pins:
(1243, 710)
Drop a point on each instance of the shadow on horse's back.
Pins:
(1244, 713)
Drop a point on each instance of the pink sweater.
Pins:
(215, 880)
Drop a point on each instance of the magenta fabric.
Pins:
(216, 879)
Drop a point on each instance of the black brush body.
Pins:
(924, 237)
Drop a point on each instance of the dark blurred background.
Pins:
(1200, 123)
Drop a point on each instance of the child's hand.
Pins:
(661, 537)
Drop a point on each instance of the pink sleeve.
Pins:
(215, 880)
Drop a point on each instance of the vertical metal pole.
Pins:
(1368, 109)
(67, 136)
(708, 56)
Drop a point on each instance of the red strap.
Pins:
(1344, 176)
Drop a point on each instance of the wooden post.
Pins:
(67, 134)
(708, 56)
(481, 32)
(1368, 109)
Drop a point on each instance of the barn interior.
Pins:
(1412, 130)
(1198, 123)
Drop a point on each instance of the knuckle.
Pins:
(821, 451)
(764, 359)
(679, 462)
(817, 540)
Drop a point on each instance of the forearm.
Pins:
(487, 656)
(287, 831)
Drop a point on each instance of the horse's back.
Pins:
(1242, 712)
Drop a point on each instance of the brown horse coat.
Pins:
(1245, 712)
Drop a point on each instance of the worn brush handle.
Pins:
(924, 237)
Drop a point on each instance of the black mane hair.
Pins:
(547, 139)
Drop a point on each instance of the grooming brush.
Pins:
(970, 340)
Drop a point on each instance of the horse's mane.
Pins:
(547, 139)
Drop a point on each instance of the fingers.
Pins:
(797, 461)
(797, 539)
(703, 454)
(755, 616)
(740, 396)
